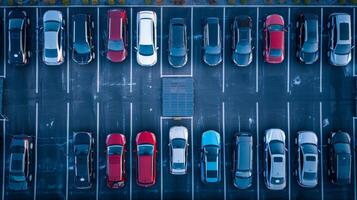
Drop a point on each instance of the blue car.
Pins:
(211, 157)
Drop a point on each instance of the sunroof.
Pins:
(344, 31)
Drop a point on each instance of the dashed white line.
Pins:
(223, 45)
(131, 50)
(36, 53)
(321, 41)
(98, 64)
(98, 146)
(130, 152)
(224, 151)
(289, 149)
(321, 151)
(161, 42)
(161, 161)
(3, 158)
(288, 61)
(68, 26)
(191, 41)
(67, 149)
(36, 139)
(257, 53)
(257, 148)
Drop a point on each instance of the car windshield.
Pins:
(178, 36)
(276, 27)
(211, 153)
(278, 159)
(276, 52)
(146, 50)
(213, 50)
(145, 150)
(52, 26)
(82, 166)
(243, 174)
(277, 147)
(178, 165)
(115, 45)
(343, 49)
(310, 176)
(82, 48)
(15, 24)
(211, 173)
(51, 53)
(310, 158)
(178, 51)
(243, 47)
(115, 150)
(344, 31)
(178, 143)
(310, 47)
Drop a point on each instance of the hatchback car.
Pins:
(242, 41)
(340, 39)
(117, 41)
(340, 158)
(307, 170)
(243, 160)
(20, 162)
(146, 149)
(146, 45)
(178, 136)
(307, 38)
(115, 150)
(210, 157)
(274, 39)
(83, 47)
(177, 42)
(212, 42)
(18, 50)
(53, 25)
(83, 144)
(275, 159)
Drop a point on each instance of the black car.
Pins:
(177, 43)
(307, 38)
(340, 158)
(18, 53)
(212, 42)
(242, 41)
(243, 160)
(83, 160)
(20, 162)
(83, 48)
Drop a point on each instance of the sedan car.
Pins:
(274, 159)
(53, 25)
(340, 158)
(117, 41)
(274, 39)
(212, 42)
(178, 150)
(20, 162)
(18, 50)
(115, 149)
(210, 157)
(146, 149)
(307, 40)
(146, 45)
(243, 160)
(83, 47)
(83, 143)
(242, 41)
(307, 171)
(177, 42)
(340, 39)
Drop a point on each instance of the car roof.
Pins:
(115, 24)
(178, 155)
(311, 30)
(343, 166)
(178, 35)
(79, 23)
(243, 21)
(276, 39)
(146, 31)
(146, 169)
(244, 153)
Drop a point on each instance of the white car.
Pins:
(53, 23)
(178, 150)
(146, 45)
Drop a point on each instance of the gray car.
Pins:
(340, 42)
(212, 42)
(53, 25)
(307, 171)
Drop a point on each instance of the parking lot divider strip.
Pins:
(354, 156)
(67, 149)
(161, 36)
(192, 163)
(98, 146)
(288, 61)
(131, 51)
(321, 154)
(224, 150)
(321, 41)
(354, 43)
(98, 57)
(257, 148)
(161, 159)
(289, 148)
(191, 42)
(3, 158)
(36, 53)
(4, 31)
(224, 42)
(257, 52)
(36, 139)
(131, 151)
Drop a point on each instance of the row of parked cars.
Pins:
(275, 172)
(116, 44)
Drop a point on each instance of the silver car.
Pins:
(340, 42)
(178, 150)
(307, 171)
(275, 159)
(53, 25)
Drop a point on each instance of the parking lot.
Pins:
(50, 103)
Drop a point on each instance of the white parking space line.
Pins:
(131, 51)
(177, 76)
(223, 45)
(131, 153)
(224, 151)
(354, 156)
(288, 61)
(97, 172)
(184, 6)
(67, 149)
(257, 147)
(321, 41)
(3, 158)
(68, 47)
(321, 155)
(257, 53)
(4, 40)
(161, 161)
(161, 36)
(191, 41)
(36, 139)
(289, 148)
(98, 57)
(36, 53)
(192, 164)
(354, 43)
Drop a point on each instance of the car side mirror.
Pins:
(253, 47)
(157, 48)
(136, 48)
(353, 47)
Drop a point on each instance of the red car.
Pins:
(146, 150)
(115, 149)
(117, 41)
(274, 39)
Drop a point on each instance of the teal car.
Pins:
(210, 157)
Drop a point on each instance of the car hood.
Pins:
(178, 61)
(211, 138)
(309, 58)
(212, 59)
(116, 56)
(53, 15)
(82, 58)
(242, 60)
(242, 183)
(340, 60)
(146, 60)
